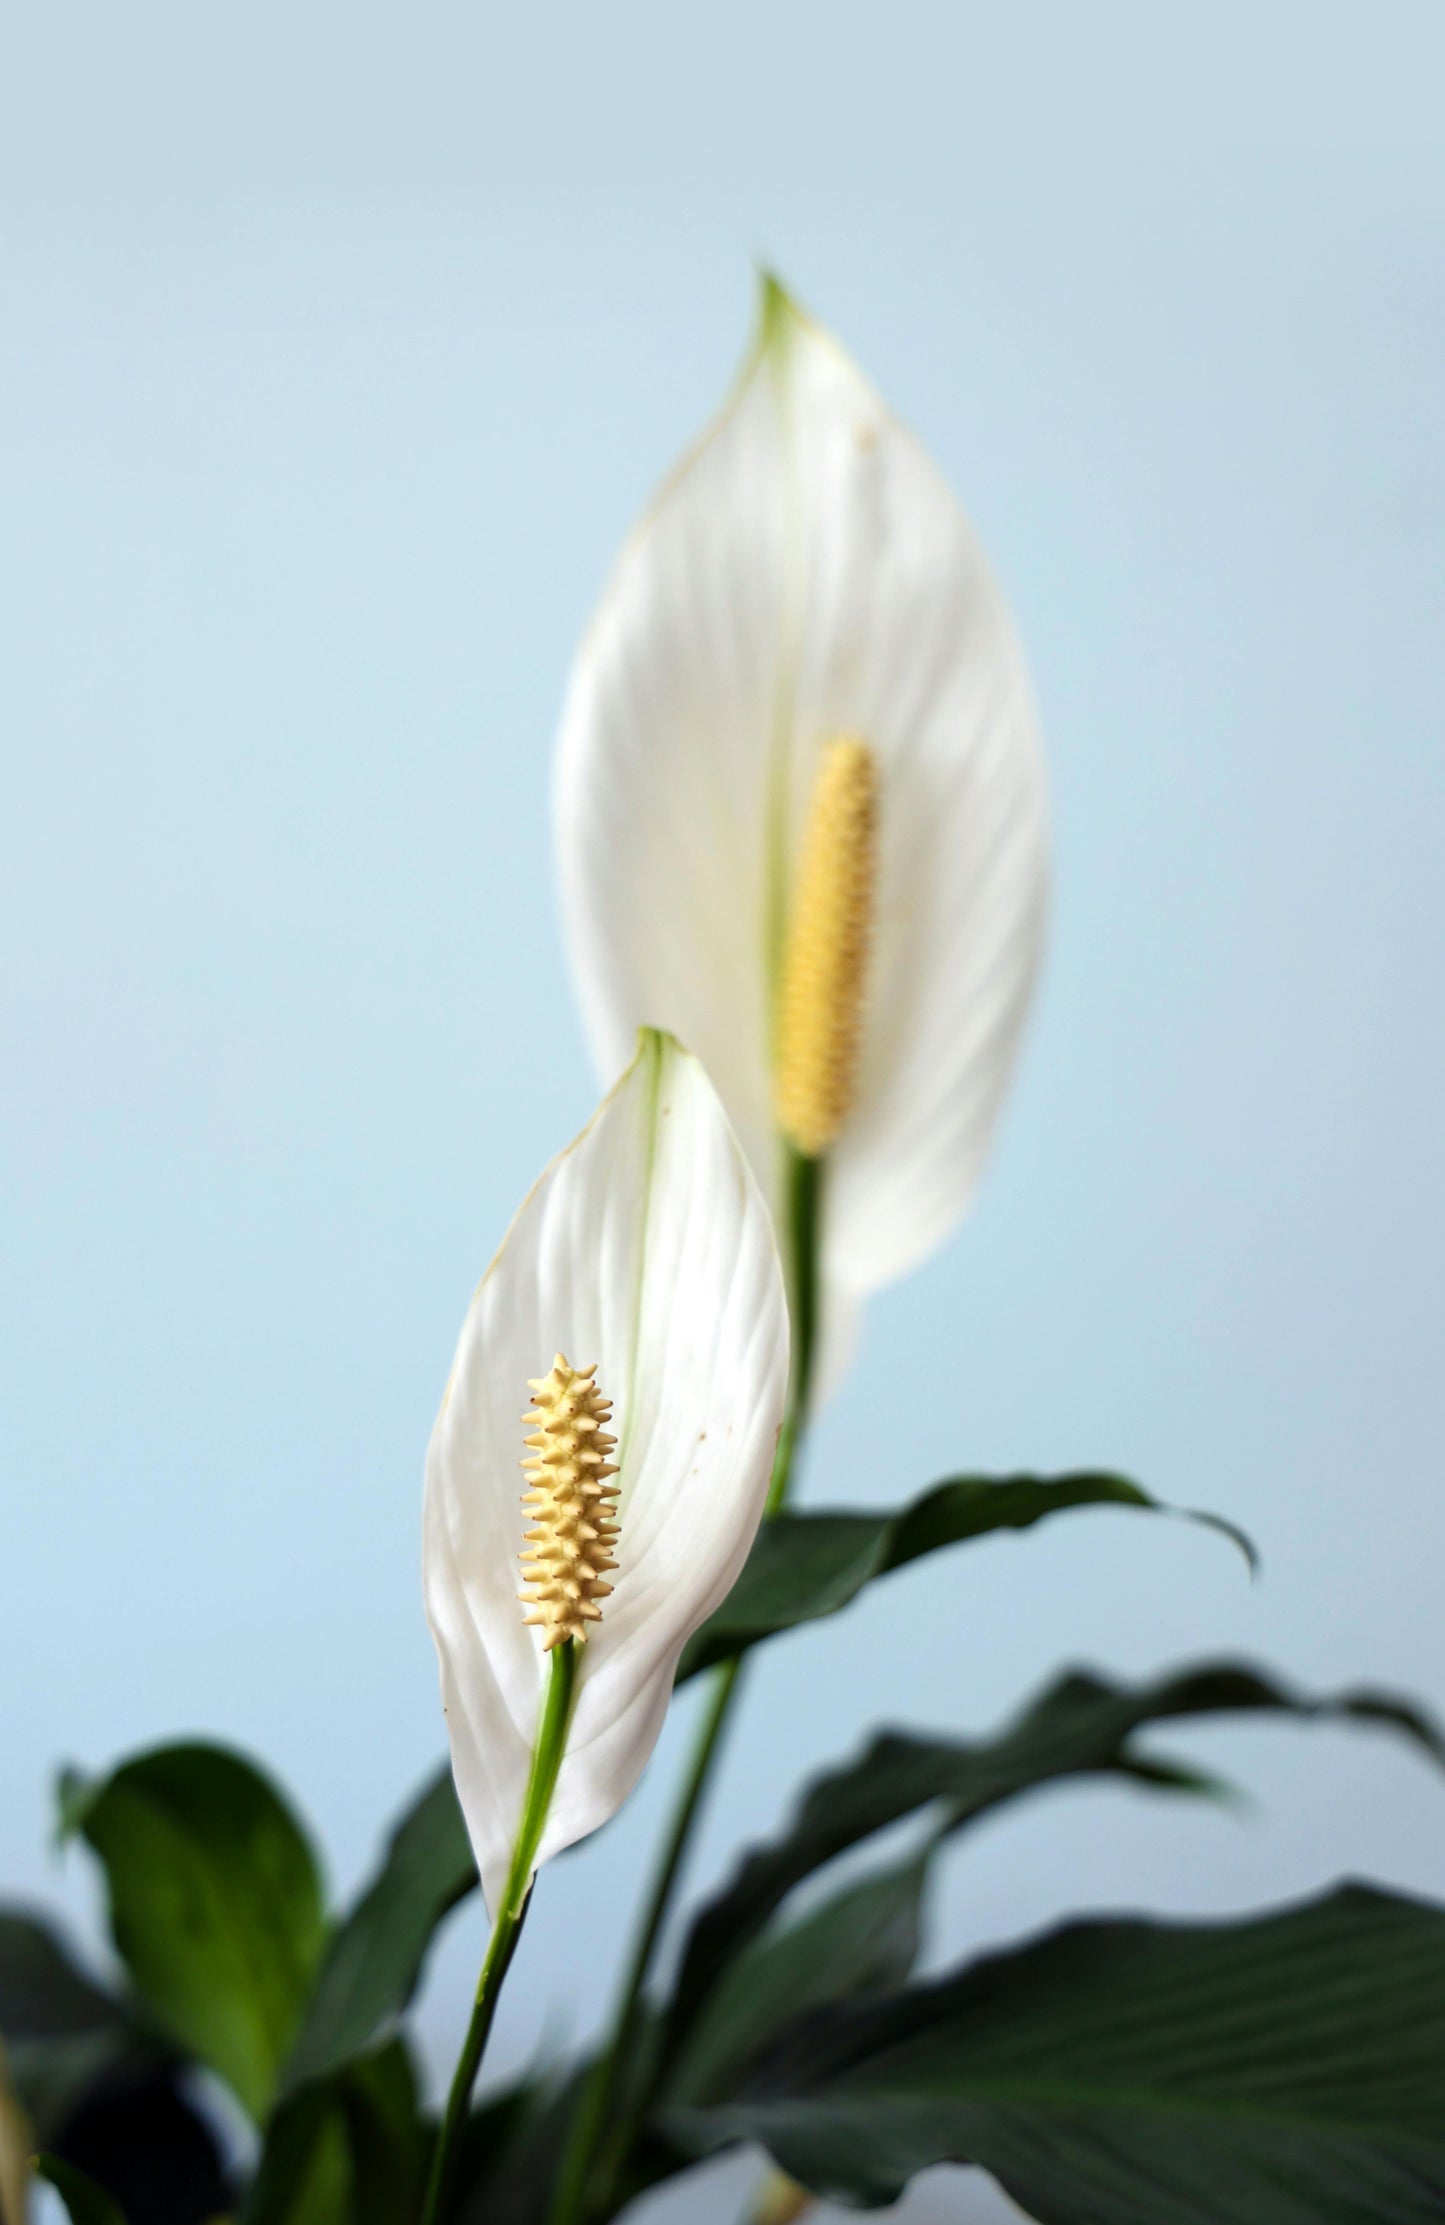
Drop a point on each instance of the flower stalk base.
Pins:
(507, 1923)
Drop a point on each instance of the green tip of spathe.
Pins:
(657, 1043)
(75, 1795)
(778, 314)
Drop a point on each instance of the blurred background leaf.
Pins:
(215, 1903)
(101, 2091)
(373, 1962)
(351, 2148)
(65, 2034)
(390, 2146)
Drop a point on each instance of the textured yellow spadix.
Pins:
(570, 1501)
(825, 960)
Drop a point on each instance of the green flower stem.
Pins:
(507, 1922)
(570, 2204)
(804, 1209)
(586, 2141)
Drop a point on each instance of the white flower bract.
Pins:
(806, 574)
(647, 1249)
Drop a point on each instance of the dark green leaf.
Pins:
(510, 2150)
(215, 1903)
(303, 2140)
(43, 1994)
(99, 2091)
(66, 2037)
(1286, 2070)
(83, 2199)
(373, 1962)
(389, 2145)
(353, 2146)
(515, 2141)
(807, 1565)
(863, 1940)
(306, 2159)
(1081, 1725)
(305, 2175)
(1166, 1773)
(500, 2122)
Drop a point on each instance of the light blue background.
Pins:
(338, 348)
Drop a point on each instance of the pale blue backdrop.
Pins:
(338, 348)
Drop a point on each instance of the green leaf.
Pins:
(299, 2159)
(306, 2177)
(83, 2199)
(515, 2140)
(389, 2145)
(863, 1940)
(375, 1958)
(807, 1565)
(43, 1994)
(1080, 1726)
(510, 2149)
(215, 1904)
(66, 2036)
(353, 2146)
(1285, 2070)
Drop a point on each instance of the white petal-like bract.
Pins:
(647, 1249)
(807, 574)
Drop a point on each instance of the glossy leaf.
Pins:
(375, 1958)
(65, 2035)
(1284, 2070)
(804, 1566)
(85, 2202)
(863, 1940)
(215, 1904)
(1080, 1726)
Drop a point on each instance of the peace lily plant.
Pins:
(802, 837)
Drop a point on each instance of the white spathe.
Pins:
(807, 573)
(647, 1248)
